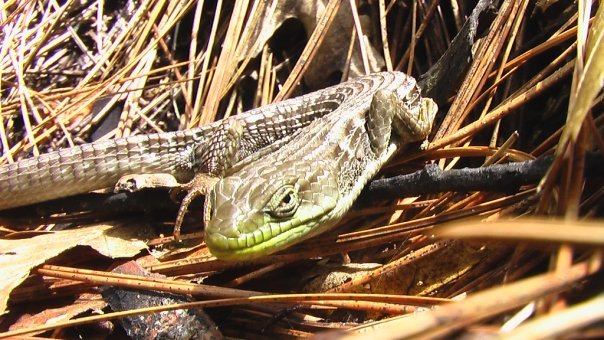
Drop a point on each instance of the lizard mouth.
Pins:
(263, 240)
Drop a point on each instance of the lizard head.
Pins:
(263, 209)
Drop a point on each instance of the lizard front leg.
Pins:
(214, 160)
(403, 110)
(209, 162)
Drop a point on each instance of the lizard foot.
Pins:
(200, 185)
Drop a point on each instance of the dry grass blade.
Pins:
(519, 80)
(226, 64)
(590, 82)
(477, 74)
(448, 318)
(546, 231)
(561, 323)
(503, 109)
(309, 51)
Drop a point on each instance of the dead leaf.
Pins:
(84, 303)
(333, 51)
(18, 257)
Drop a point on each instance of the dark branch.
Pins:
(495, 178)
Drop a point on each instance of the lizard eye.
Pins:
(284, 202)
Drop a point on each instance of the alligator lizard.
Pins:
(305, 186)
(215, 150)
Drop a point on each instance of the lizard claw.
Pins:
(200, 185)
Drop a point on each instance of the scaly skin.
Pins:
(303, 187)
(260, 144)
(182, 154)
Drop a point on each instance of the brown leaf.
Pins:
(18, 257)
